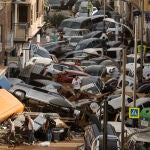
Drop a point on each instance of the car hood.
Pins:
(47, 82)
(61, 102)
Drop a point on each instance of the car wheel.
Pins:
(20, 94)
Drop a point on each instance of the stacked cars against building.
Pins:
(90, 51)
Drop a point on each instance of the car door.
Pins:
(68, 77)
(95, 43)
(89, 45)
(98, 44)
(56, 69)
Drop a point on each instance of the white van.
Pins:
(39, 60)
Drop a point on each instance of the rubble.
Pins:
(21, 136)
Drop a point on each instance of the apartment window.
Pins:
(37, 8)
(23, 13)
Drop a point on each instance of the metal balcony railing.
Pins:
(20, 32)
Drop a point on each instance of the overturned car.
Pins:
(45, 101)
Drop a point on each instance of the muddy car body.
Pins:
(67, 75)
(43, 100)
(92, 85)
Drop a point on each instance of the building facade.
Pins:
(125, 8)
(20, 20)
(6, 34)
(28, 19)
(144, 6)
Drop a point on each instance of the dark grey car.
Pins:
(100, 26)
(70, 54)
(76, 23)
(93, 131)
(92, 85)
(94, 34)
(57, 48)
(89, 43)
(96, 70)
(28, 93)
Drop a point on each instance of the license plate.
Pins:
(144, 123)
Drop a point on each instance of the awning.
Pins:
(5, 83)
(10, 105)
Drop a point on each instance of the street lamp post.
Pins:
(136, 14)
(104, 8)
(135, 60)
(141, 51)
(123, 100)
(123, 84)
(104, 15)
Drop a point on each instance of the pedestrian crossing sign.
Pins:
(89, 6)
(142, 48)
(134, 113)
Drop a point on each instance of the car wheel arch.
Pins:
(21, 96)
(49, 74)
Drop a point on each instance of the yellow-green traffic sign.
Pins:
(142, 49)
(89, 6)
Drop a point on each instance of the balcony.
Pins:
(20, 32)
